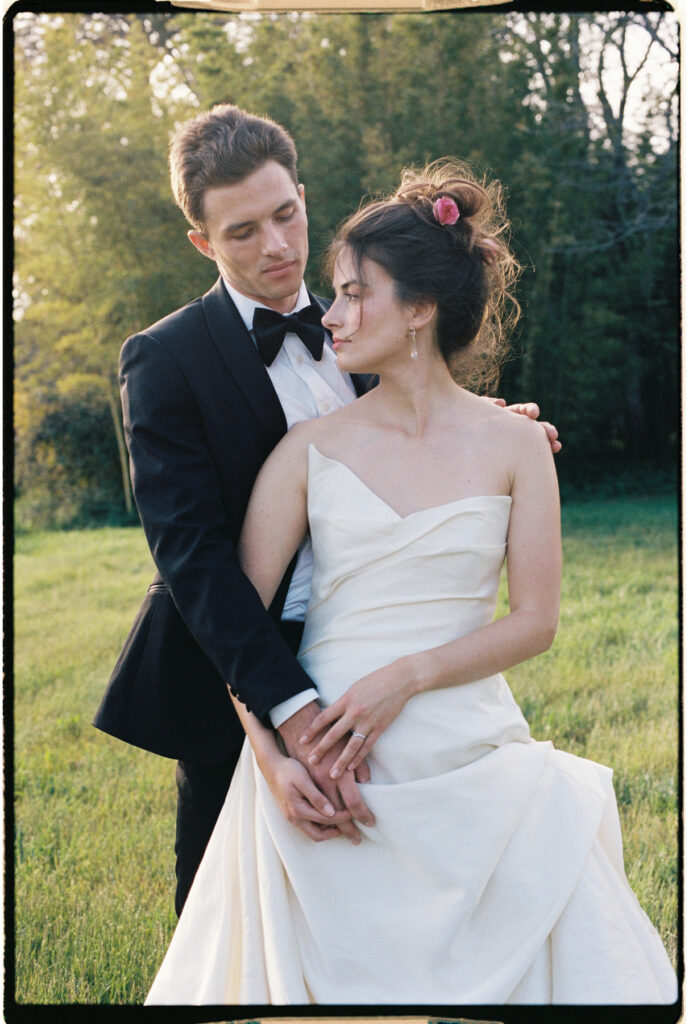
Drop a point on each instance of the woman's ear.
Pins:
(423, 311)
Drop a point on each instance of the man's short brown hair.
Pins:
(221, 147)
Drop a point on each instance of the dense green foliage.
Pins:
(576, 114)
(95, 817)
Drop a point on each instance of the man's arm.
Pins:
(178, 494)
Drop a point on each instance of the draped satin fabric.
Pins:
(494, 872)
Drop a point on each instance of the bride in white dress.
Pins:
(493, 871)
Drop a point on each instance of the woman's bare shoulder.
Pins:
(511, 426)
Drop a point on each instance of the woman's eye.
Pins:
(351, 296)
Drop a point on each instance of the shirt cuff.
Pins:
(281, 712)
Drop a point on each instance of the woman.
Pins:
(493, 870)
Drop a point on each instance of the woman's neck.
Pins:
(410, 397)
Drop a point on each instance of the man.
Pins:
(207, 393)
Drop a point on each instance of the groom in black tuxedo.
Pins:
(207, 393)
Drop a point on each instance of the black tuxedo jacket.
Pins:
(200, 417)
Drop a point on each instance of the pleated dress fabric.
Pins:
(494, 872)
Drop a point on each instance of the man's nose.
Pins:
(273, 240)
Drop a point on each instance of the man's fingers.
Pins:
(552, 435)
(526, 409)
(353, 801)
(318, 832)
(362, 772)
(350, 831)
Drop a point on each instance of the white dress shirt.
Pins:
(307, 388)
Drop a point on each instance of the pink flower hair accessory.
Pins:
(445, 210)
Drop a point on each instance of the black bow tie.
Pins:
(270, 329)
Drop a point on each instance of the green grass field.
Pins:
(95, 818)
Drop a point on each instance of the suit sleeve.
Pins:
(179, 498)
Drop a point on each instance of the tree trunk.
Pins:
(114, 406)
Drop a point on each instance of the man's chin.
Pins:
(283, 288)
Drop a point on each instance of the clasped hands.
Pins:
(321, 803)
(316, 784)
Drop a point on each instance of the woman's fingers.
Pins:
(323, 718)
(314, 800)
(363, 751)
(334, 733)
(344, 761)
(300, 810)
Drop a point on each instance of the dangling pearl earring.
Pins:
(414, 349)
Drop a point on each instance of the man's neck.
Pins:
(284, 306)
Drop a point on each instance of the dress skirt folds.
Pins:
(494, 872)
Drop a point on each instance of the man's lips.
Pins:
(277, 269)
(339, 342)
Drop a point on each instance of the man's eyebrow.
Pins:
(247, 223)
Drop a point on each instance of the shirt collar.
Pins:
(246, 306)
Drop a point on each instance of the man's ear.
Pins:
(302, 193)
(200, 242)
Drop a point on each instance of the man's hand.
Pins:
(343, 792)
(531, 410)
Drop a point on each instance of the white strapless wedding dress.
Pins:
(494, 871)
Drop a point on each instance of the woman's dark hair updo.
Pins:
(465, 267)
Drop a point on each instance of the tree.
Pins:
(90, 187)
(563, 109)
(599, 209)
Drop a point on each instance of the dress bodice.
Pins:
(415, 580)
(386, 585)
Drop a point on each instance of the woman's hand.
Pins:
(300, 800)
(365, 710)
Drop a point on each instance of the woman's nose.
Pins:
(328, 318)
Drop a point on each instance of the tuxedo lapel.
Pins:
(363, 382)
(242, 359)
